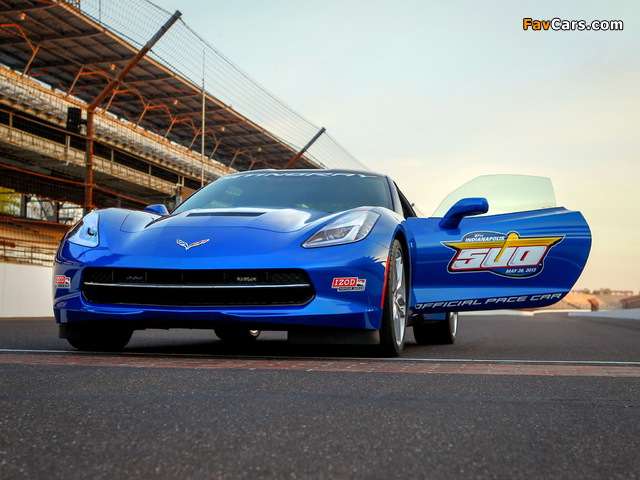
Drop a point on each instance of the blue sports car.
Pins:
(329, 256)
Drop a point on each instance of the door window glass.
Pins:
(505, 194)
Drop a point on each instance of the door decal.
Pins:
(508, 255)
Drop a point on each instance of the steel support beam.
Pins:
(113, 85)
(298, 155)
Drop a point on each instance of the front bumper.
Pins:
(332, 306)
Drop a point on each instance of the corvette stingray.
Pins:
(329, 256)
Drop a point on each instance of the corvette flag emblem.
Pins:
(187, 246)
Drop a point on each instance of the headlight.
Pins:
(348, 228)
(85, 233)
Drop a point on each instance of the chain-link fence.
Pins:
(184, 51)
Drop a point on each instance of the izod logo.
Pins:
(349, 284)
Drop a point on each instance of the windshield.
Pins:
(325, 191)
(505, 194)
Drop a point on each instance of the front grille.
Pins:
(164, 287)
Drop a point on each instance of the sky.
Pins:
(435, 93)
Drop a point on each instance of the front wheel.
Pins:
(394, 314)
(99, 340)
(438, 332)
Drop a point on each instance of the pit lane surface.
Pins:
(549, 396)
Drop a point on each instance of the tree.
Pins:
(9, 202)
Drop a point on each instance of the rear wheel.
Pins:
(394, 314)
(236, 334)
(438, 332)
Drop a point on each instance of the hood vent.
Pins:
(225, 214)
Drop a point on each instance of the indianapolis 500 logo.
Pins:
(509, 255)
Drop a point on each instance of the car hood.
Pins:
(196, 239)
(284, 220)
(222, 236)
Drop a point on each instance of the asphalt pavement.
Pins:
(546, 397)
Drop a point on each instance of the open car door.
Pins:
(497, 242)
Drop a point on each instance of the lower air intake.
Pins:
(201, 288)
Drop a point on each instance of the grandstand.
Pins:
(183, 116)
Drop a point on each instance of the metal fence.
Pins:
(14, 251)
(184, 51)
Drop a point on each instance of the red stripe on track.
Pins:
(315, 365)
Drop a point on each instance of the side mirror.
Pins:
(158, 209)
(463, 208)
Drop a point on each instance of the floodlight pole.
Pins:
(204, 99)
(113, 85)
(298, 155)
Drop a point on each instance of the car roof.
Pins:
(304, 172)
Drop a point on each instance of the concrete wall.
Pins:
(25, 291)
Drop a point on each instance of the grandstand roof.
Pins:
(55, 43)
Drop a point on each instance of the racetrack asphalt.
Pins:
(546, 397)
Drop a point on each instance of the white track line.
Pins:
(350, 359)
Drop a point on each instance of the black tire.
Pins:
(237, 335)
(395, 311)
(101, 340)
(438, 332)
